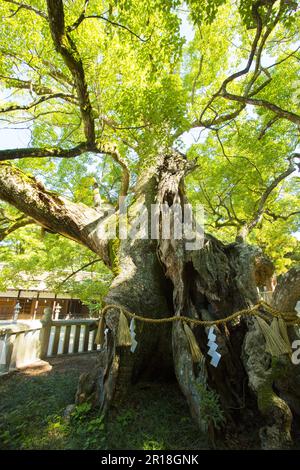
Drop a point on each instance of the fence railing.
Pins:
(18, 348)
(68, 337)
(53, 338)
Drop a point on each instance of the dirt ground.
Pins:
(155, 416)
(81, 363)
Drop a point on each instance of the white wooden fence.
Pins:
(49, 339)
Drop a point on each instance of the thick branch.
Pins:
(14, 154)
(13, 82)
(68, 50)
(246, 69)
(75, 221)
(112, 150)
(105, 148)
(255, 43)
(281, 216)
(218, 119)
(258, 44)
(280, 112)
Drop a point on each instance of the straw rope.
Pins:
(290, 318)
(276, 336)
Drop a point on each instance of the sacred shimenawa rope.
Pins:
(276, 336)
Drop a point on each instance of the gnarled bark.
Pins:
(141, 287)
(285, 298)
(287, 291)
(276, 381)
(159, 278)
(208, 283)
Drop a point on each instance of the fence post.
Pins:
(6, 352)
(45, 332)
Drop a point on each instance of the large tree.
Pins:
(107, 91)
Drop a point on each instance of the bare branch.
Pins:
(87, 265)
(53, 72)
(16, 107)
(21, 5)
(80, 18)
(288, 56)
(243, 157)
(101, 17)
(280, 112)
(267, 126)
(281, 216)
(257, 216)
(8, 225)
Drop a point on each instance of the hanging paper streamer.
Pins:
(132, 334)
(212, 352)
(105, 334)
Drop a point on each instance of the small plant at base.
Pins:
(87, 428)
(153, 445)
(80, 411)
(210, 410)
(125, 417)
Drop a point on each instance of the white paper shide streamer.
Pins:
(212, 352)
(132, 334)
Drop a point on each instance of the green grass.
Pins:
(156, 417)
(32, 417)
(28, 407)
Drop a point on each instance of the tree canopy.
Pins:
(103, 87)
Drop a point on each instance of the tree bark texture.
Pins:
(160, 278)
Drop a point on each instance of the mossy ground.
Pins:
(155, 416)
(32, 415)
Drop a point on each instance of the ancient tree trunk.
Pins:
(285, 298)
(276, 381)
(287, 291)
(141, 287)
(159, 278)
